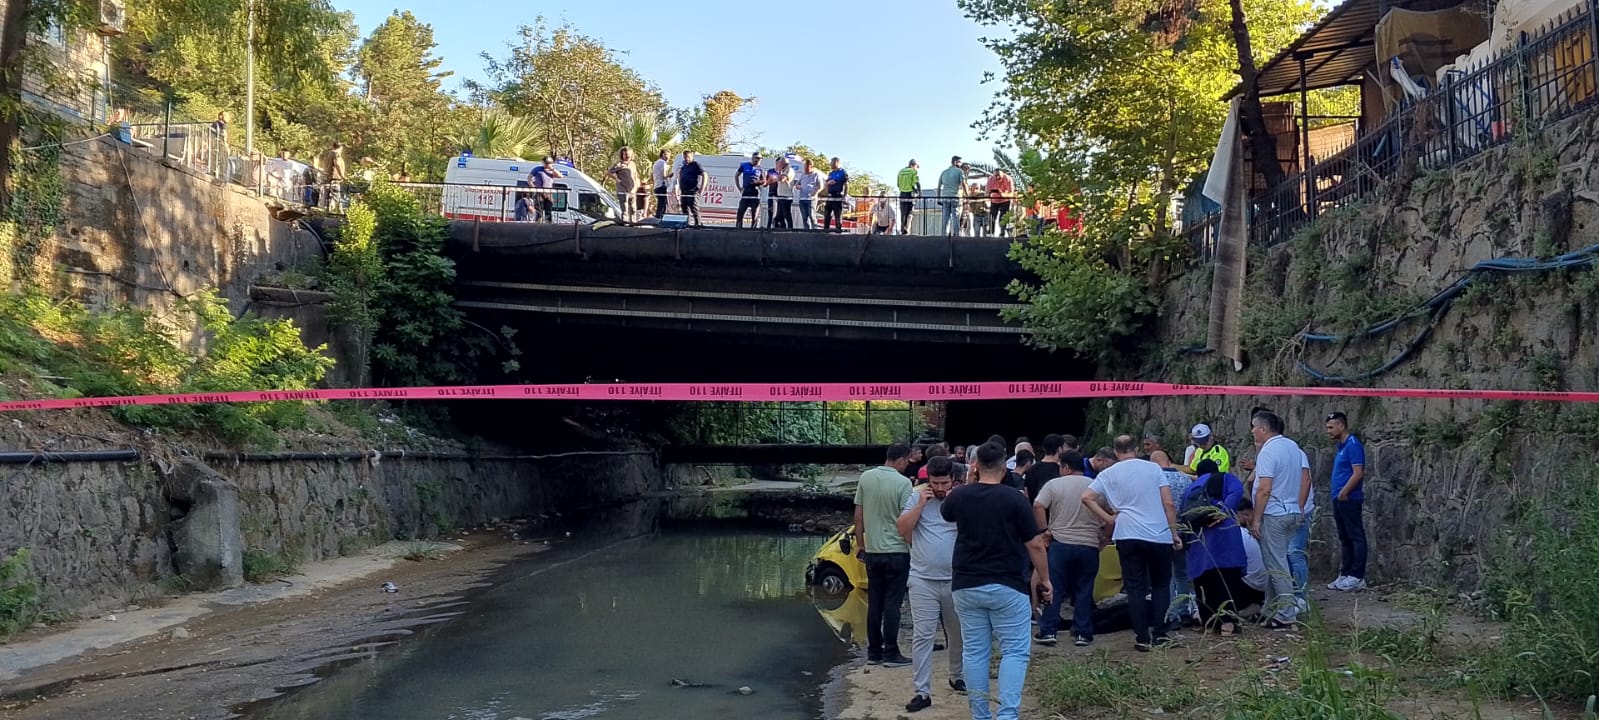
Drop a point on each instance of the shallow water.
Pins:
(601, 632)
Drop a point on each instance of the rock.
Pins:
(111, 618)
(180, 634)
(209, 542)
(133, 608)
(389, 587)
(746, 690)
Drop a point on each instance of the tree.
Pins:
(23, 20)
(645, 134)
(574, 84)
(709, 127)
(497, 133)
(1120, 100)
(399, 78)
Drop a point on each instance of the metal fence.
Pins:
(1548, 76)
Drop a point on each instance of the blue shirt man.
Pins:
(1348, 483)
(1351, 454)
(837, 180)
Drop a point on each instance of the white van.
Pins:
(486, 189)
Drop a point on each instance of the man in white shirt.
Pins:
(932, 598)
(1255, 577)
(784, 192)
(661, 175)
(1145, 522)
(882, 216)
(1280, 497)
(806, 186)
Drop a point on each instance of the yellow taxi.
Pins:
(836, 569)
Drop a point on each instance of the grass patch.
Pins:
(421, 551)
(262, 566)
(1161, 682)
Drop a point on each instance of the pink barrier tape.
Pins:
(792, 392)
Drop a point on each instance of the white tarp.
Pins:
(1221, 163)
(1514, 17)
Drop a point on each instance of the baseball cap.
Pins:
(1200, 432)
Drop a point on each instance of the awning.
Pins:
(1336, 50)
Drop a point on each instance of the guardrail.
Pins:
(1551, 74)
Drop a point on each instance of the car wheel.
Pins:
(830, 579)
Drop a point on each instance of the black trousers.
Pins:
(1223, 592)
(906, 205)
(691, 208)
(752, 203)
(834, 212)
(785, 214)
(660, 202)
(1146, 576)
(1351, 537)
(887, 576)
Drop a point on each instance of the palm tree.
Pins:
(647, 135)
(499, 134)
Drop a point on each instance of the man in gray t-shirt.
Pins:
(1074, 545)
(932, 540)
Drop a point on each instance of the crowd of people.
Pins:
(985, 542)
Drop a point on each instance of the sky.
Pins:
(876, 82)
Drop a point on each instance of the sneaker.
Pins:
(874, 659)
(1339, 583)
(1141, 646)
(1082, 641)
(1043, 639)
(1355, 585)
(1275, 624)
(896, 660)
(920, 702)
(958, 685)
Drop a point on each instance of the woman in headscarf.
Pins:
(1216, 558)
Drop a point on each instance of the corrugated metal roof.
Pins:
(1337, 49)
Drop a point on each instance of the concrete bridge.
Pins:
(662, 305)
(748, 283)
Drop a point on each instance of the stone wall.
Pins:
(142, 231)
(1444, 477)
(105, 534)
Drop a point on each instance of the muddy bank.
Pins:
(233, 655)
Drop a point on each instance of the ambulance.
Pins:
(487, 189)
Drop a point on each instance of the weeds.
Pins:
(420, 551)
(262, 566)
(20, 606)
(1126, 687)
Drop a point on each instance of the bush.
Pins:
(132, 352)
(19, 594)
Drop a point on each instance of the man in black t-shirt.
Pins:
(995, 531)
(751, 178)
(1046, 469)
(689, 179)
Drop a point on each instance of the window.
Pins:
(55, 35)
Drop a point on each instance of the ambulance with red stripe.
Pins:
(488, 189)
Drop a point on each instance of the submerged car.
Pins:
(837, 569)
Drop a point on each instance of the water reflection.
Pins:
(845, 615)
(602, 632)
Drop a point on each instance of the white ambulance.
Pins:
(487, 189)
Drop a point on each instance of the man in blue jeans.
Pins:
(1348, 490)
(879, 498)
(1074, 545)
(996, 534)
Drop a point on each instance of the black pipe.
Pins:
(67, 456)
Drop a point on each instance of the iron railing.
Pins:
(1548, 76)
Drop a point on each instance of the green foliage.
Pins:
(646, 135)
(842, 422)
(400, 79)
(574, 84)
(1542, 578)
(707, 129)
(392, 282)
(20, 606)
(1069, 688)
(262, 566)
(495, 133)
(36, 207)
(1082, 304)
(131, 352)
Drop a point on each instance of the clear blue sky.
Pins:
(914, 68)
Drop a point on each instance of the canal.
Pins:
(687, 622)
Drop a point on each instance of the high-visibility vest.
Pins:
(1216, 453)
(909, 178)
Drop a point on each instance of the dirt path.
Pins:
(236, 654)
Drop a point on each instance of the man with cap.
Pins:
(910, 185)
(1205, 447)
(750, 179)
